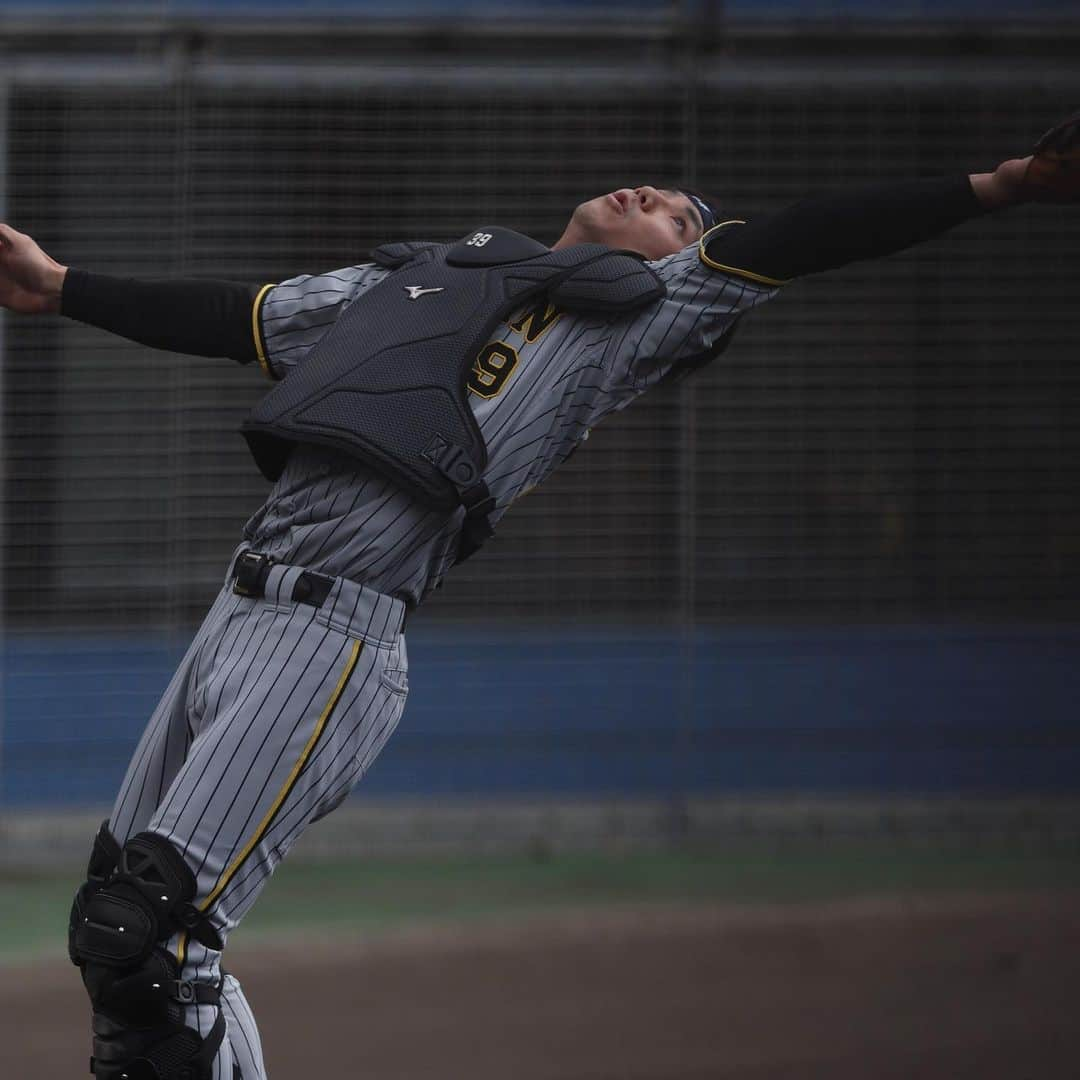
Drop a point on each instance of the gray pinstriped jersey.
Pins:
(329, 513)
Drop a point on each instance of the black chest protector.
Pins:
(387, 382)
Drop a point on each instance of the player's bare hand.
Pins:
(1053, 169)
(30, 280)
(1049, 174)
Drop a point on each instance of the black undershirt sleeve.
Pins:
(829, 230)
(822, 232)
(185, 315)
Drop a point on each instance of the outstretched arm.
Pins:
(830, 230)
(188, 315)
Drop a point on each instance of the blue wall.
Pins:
(559, 709)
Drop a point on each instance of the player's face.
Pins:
(653, 221)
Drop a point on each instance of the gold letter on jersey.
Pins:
(532, 324)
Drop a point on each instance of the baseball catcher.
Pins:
(415, 398)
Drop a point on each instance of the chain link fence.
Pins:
(896, 442)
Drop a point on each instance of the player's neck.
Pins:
(571, 236)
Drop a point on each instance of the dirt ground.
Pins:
(945, 987)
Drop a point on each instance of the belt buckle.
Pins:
(249, 578)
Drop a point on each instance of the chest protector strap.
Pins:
(387, 382)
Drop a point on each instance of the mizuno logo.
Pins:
(416, 291)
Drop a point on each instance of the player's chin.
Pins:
(622, 233)
(648, 241)
(614, 234)
(648, 247)
(598, 219)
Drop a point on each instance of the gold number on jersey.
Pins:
(492, 368)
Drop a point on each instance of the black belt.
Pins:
(251, 570)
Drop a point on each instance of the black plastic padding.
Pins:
(104, 855)
(139, 998)
(153, 866)
(490, 245)
(146, 900)
(394, 255)
(104, 859)
(388, 381)
(75, 918)
(271, 452)
(139, 1028)
(402, 420)
(612, 284)
(170, 1054)
(117, 929)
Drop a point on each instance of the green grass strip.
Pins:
(375, 894)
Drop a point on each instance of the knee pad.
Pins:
(104, 859)
(133, 901)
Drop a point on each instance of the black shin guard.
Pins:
(134, 900)
(139, 1029)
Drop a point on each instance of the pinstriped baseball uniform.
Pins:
(279, 707)
(567, 373)
(276, 711)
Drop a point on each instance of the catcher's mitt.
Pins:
(1053, 174)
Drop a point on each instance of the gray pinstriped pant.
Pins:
(276, 711)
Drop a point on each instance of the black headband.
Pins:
(708, 214)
